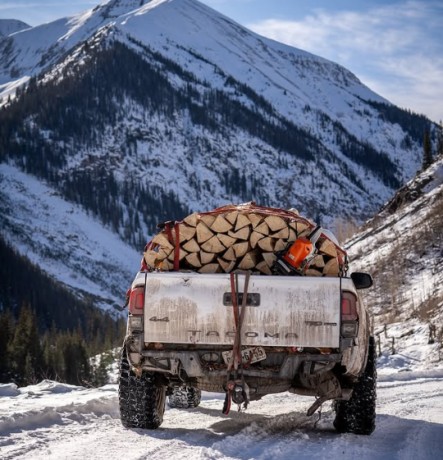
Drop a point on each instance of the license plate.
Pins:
(248, 355)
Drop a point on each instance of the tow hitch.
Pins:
(237, 391)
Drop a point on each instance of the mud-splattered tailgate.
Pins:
(280, 311)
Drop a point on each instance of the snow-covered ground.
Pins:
(58, 421)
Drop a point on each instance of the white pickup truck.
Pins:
(246, 336)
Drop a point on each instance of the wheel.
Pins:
(141, 399)
(358, 414)
(184, 397)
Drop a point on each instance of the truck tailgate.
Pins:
(282, 311)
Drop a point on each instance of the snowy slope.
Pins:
(403, 249)
(57, 421)
(64, 240)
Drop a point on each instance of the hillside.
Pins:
(71, 246)
(402, 247)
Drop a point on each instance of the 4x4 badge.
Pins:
(154, 318)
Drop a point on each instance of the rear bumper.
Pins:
(279, 365)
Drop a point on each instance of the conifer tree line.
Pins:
(48, 333)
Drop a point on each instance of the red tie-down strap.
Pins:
(175, 242)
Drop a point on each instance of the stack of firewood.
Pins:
(244, 237)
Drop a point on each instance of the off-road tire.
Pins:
(141, 399)
(184, 397)
(358, 414)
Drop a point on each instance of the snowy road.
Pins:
(57, 421)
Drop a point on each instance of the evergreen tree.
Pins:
(52, 355)
(76, 369)
(427, 150)
(6, 334)
(25, 350)
(440, 140)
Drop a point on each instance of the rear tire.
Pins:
(184, 397)
(358, 414)
(141, 399)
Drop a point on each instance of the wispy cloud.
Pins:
(36, 12)
(397, 50)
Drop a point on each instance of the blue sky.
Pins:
(394, 46)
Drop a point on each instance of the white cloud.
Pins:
(395, 49)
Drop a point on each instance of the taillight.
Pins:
(349, 315)
(137, 301)
(348, 307)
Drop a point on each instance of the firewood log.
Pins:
(249, 261)
(275, 223)
(331, 268)
(226, 240)
(283, 233)
(210, 268)
(191, 246)
(328, 247)
(185, 233)
(317, 261)
(242, 221)
(231, 217)
(221, 225)
(264, 268)
(292, 235)
(266, 244)
(203, 232)
(280, 245)
(206, 257)
(303, 229)
(225, 265)
(313, 272)
(193, 259)
(240, 249)
(208, 219)
(213, 245)
(269, 258)
(181, 255)
(152, 258)
(162, 240)
(242, 234)
(163, 253)
(262, 228)
(192, 219)
(298, 227)
(230, 254)
(254, 238)
(255, 219)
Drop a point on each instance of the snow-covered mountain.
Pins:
(10, 26)
(172, 107)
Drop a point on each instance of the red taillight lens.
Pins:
(348, 307)
(137, 300)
